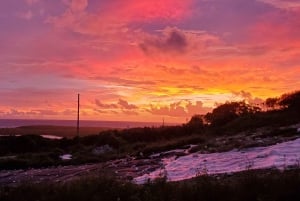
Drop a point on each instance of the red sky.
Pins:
(144, 60)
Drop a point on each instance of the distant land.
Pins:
(13, 123)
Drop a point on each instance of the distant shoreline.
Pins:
(14, 123)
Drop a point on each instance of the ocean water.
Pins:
(13, 123)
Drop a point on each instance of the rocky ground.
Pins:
(132, 167)
(127, 168)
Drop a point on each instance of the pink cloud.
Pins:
(77, 5)
(26, 15)
(279, 31)
(31, 2)
(45, 112)
(277, 27)
(36, 113)
(114, 17)
(155, 9)
(283, 4)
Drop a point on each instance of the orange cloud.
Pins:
(247, 96)
(179, 109)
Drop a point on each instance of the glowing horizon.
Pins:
(144, 60)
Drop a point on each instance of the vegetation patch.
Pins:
(263, 185)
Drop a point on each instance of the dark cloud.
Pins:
(104, 111)
(122, 104)
(125, 105)
(173, 40)
(105, 106)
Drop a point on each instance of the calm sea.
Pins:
(12, 123)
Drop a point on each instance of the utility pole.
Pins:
(78, 115)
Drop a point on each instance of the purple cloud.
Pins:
(172, 40)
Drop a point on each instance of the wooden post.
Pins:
(78, 115)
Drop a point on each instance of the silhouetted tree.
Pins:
(229, 111)
(196, 122)
(290, 101)
(272, 103)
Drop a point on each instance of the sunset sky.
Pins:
(138, 60)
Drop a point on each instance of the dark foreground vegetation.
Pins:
(226, 121)
(60, 131)
(262, 185)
